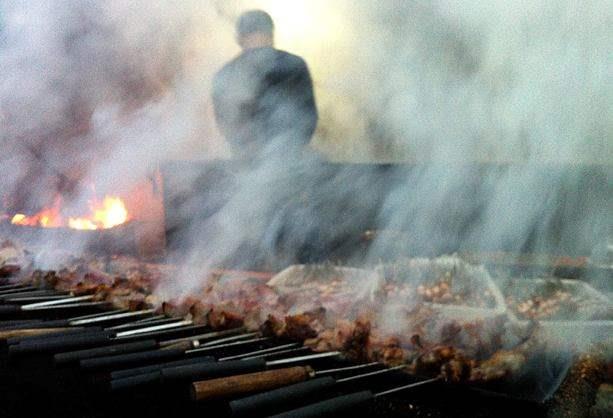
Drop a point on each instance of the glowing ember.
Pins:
(107, 214)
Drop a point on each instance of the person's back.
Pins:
(263, 99)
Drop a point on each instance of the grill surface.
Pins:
(33, 383)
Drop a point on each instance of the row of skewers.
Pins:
(140, 350)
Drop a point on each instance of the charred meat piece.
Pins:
(222, 319)
(503, 363)
(296, 327)
(387, 350)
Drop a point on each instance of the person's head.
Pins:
(255, 29)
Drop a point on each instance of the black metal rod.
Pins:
(16, 323)
(295, 395)
(33, 339)
(192, 360)
(55, 323)
(221, 369)
(170, 350)
(30, 293)
(5, 287)
(131, 359)
(211, 370)
(61, 343)
(143, 379)
(33, 299)
(120, 374)
(10, 309)
(17, 290)
(75, 356)
(288, 397)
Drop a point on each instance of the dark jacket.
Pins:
(264, 100)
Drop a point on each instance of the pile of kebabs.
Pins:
(555, 300)
(326, 308)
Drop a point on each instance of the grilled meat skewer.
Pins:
(226, 387)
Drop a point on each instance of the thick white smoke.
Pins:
(107, 90)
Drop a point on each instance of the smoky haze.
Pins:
(105, 91)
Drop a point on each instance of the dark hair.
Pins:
(254, 21)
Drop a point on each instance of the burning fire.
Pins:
(103, 215)
(112, 213)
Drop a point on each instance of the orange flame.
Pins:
(108, 214)
(47, 218)
(112, 212)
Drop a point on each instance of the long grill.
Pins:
(72, 356)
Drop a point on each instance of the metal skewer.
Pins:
(109, 317)
(120, 374)
(96, 337)
(207, 336)
(216, 347)
(259, 352)
(60, 302)
(95, 315)
(124, 353)
(241, 384)
(66, 306)
(210, 370)
(34, 299)
(139, 331)
(348, 368)
(303, 358)
(206, 346)
(152, 318)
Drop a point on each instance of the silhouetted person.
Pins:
(263, 98)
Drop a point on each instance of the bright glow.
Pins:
(111, 213)
(303, 25)
(108, 214)
(18, 219)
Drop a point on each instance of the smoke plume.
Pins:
(106, 91)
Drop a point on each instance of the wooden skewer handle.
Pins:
(248, 383)
(29, 332)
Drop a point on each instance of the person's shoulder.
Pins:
(225, 73)
(291, 60)
(227, 67)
